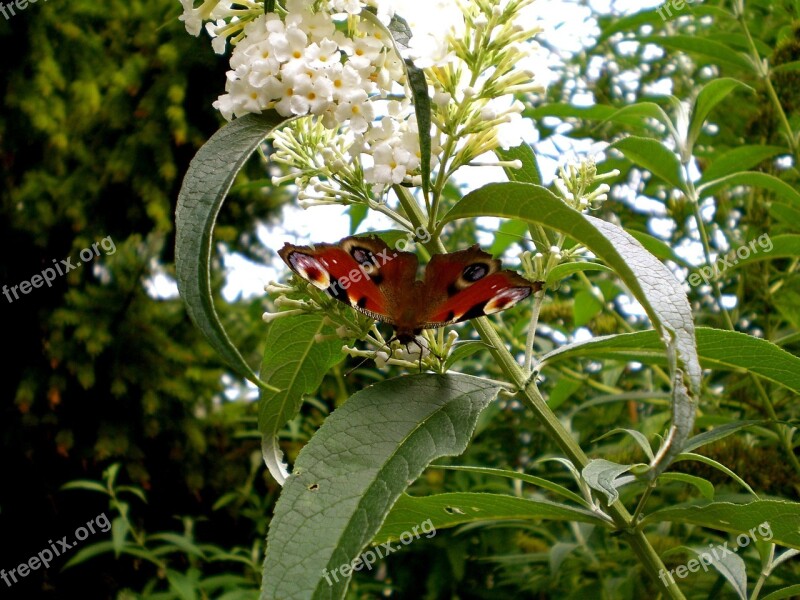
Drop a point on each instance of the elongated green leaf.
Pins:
(780, 246)
(793, 591)
(654, 156)
(781, 189)
(718, 433)
(779, 519)
(529, 173)
(731, 566)
(565, 270)
(785, 213)
(204, 188)
(642, 110)
(400, 33)
(740, 159)
(449, 510)
(706, 487)
(348, 477)
(691, 456)
(422, 108)
(532, 479)
(651, 283)
(712, 94)
(718, 349)
(715, 52)
(296, 362)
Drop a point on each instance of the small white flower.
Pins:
(357, 109)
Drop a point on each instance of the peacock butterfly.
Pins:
(364, 273)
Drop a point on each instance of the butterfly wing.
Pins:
(362, 272)
(463, 285)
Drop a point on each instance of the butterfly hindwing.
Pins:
(468, 284)
(360, 271)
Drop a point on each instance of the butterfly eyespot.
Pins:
(475, 272)
(362, 256)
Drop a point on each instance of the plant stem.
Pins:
(555, 430)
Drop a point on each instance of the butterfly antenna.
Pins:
(366, 358)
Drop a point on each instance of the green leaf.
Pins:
(780, 519)
(204, 188)
(349, 475)
(781, 246)
(508, 233)
(740, 159)
(712, 94)
(84, 484)
(463, 351)
(653, 285)
(422, 108)
(792, 591)
(717, 465)
(781, 189)
(458, 508)
(717, 348)
(641, 110)
(400, 33)
(296, 362)
(654, 156)
(718, 433)
(564, 270)
(715, 52)
(730, 566)
(182, 584)
(706, 487)
(529, 173)
(638, 437)
(532, 479)
(180, 542)
(585, 307)
(785, 213)
(606, 476)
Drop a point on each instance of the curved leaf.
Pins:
(652, 155)
(458, 508)
(651, 283)
(740, 159)
(296, 362)
(782, 190)
(348, 477)
(204, 188)
(532, 479)
(717, 348)
(716, 52)
(712, 94)
(782, 518)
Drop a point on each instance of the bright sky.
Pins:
(567, 28)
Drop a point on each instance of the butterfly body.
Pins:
(382, 283)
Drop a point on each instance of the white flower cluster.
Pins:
(326, 60)
(299, 63)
